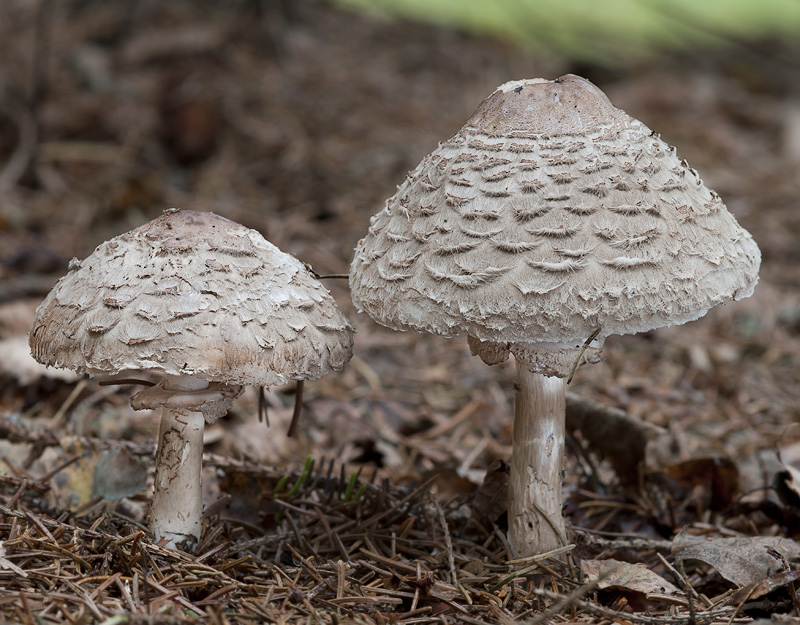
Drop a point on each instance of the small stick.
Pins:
(564, 602)
(20, 491)
(341, 571)
(263, 415)
(779, 556)
(60, 467)
(584, 347)
(447, 541)
(691, 593)
(114, 381)
(551, 523)
(680, 577)
(298, 408)
(416, 589)
(739, 607)
(24, 600)
(56, 420)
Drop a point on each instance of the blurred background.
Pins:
(618, 33)
(299, 117)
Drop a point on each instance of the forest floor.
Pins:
(298, 119)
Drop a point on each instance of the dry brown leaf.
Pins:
(252, 494)
(787, 485)
(626, 442)
(626, 576)
(717, 476)
(118, 474)
(490, 500)
(111, 474)
(741, 561)
(765, 586)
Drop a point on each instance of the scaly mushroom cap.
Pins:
(192, 293)
(549, 215)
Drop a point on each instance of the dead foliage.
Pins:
(299, 120)
(329, 552)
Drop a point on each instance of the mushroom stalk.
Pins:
(177, 496)
(535, 520)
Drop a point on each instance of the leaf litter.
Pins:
(400, 515)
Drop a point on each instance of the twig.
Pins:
(600, 610)
(56, 420)
(690, 592)
(116, 381)
(635, 543)
(584, 347)
(298, 408)
(562, 539)
(680, 577)
(566, 602)
(462, 415)
(59, 467)
(263, 414)
(535, 562)
(739, 607)
(447, 541)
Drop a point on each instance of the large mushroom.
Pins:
(209, 306)
(549, 219)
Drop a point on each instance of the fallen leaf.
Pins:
(765, 586)
(684, 490)
(787, 485)
(626, 576)
(490, 500)
(718, 477)
(741, 561)
(251, 492)
(111, 474)
(75, 480)
(623, 440)
(118, 474)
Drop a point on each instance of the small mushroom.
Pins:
(209, 306)
(550, 218)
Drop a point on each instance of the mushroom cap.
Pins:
(549, 215)
(192, 293)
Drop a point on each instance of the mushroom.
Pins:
(549, 219)
(207, 305)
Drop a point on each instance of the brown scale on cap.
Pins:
(550, 214)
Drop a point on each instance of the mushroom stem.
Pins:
(177, 497)
(535, 520)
